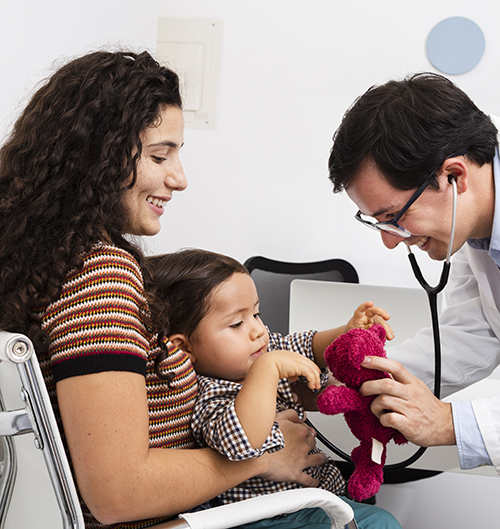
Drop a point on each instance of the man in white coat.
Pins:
(402, 143)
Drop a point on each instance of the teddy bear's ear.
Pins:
(379, 331)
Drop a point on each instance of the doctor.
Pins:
(424, 131)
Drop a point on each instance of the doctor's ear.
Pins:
(182, 342)
(458, 170)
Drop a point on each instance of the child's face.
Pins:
(231, 336)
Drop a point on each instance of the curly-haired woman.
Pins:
(94, 157)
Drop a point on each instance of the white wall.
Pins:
(35, 37)
(258, 182)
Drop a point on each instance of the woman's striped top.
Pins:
(99, 323)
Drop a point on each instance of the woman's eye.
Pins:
(158, 159)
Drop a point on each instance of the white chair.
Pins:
(52, 483)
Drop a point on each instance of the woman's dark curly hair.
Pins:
(63, 170)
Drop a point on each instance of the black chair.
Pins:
(273, 280)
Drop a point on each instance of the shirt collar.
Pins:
(492, 243)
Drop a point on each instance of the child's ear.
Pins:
(182, 342)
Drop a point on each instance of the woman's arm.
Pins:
(105, 419)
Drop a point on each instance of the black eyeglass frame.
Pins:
(392, 226)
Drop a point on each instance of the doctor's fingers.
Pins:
(425, 421)
(412, 399)
(388, 403)
(394, 368)
(399, 420)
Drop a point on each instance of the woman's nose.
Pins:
(176, 178)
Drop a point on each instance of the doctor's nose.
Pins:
(390, 241)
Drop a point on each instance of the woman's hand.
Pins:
(367, 315)
(405, 403)
(289, 463)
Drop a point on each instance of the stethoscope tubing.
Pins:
(432, 294)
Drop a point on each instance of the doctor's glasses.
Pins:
(392, 226)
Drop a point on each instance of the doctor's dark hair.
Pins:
(72, 154)
(181, 285)
(408, 128)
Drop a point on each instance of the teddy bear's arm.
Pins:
(340, 399)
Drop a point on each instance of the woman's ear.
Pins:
(182, 342)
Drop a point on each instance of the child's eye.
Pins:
(257, 315)
(236, 325)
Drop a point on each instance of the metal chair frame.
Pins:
(37, 418)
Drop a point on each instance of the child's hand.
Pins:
(367, 315)
(291, 365)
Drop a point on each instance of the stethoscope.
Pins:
(432, 294)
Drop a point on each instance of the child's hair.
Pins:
(181, 284)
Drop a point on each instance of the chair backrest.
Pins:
(36, 484)
(273, 279)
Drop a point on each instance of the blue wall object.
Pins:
(455, 45)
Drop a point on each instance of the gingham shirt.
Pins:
(216, 424)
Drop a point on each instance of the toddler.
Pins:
(244, 372)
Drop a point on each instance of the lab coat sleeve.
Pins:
(470, 347)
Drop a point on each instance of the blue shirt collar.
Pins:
(492, 243)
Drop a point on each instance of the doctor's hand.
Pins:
(367, 315)
(405, 403)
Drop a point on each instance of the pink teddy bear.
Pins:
(344, 357)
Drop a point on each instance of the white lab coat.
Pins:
(470, 335)
(470, 338)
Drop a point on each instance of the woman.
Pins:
(95, 157)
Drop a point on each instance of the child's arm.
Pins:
(364, 316)
(255, 404)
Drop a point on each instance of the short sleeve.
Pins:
(98, 322)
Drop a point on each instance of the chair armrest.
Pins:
(269, 505)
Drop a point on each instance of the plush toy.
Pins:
(344, 357)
